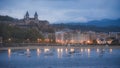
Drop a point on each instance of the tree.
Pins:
(94, 42)
(115, 42)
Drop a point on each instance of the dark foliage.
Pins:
(87, 27)
(18, 34)
(7, 18)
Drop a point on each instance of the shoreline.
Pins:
(81, 46)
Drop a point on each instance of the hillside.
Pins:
(104, 25)
(7, 18)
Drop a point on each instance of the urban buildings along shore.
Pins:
(64, 36)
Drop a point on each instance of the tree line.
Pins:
(16, 34)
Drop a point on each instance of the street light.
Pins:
(47, 40)
(9, 39)
(38, 40)
(88, 41)
(28, 40)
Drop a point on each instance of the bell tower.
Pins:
(26, 17)
(36, 16)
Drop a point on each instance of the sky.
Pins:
(62, 10)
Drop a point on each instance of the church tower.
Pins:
(36, 16)
(26, 17)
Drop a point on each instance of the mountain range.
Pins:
(105, 25)
(99, 23)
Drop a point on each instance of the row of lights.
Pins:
(38, 40)
(71, 41)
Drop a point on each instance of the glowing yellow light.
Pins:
(88, 41)
(59, 41)
(71, 40)
(47, 40)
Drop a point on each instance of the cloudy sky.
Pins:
(62, 10)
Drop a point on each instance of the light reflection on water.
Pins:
(28, 52)
(46, 50)
(98, 50)
(38, 52)
(110, 50)
(66, 50)
(86, 52)
(59, 52)
(81, 49)
(60, 57)
(9, 53)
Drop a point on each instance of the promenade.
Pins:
(36, 45)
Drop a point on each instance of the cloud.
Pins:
(80, 19)
(62, 10)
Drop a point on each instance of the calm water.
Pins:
(60, 58)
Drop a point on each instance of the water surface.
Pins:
(60, 58)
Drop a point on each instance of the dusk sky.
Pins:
(62, 10)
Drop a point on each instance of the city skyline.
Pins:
(62, 10)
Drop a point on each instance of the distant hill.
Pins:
(7, 18)
(105, 25)
(99, 23)
(105, 22)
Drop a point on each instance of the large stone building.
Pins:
(29, 20)
(34, 22)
